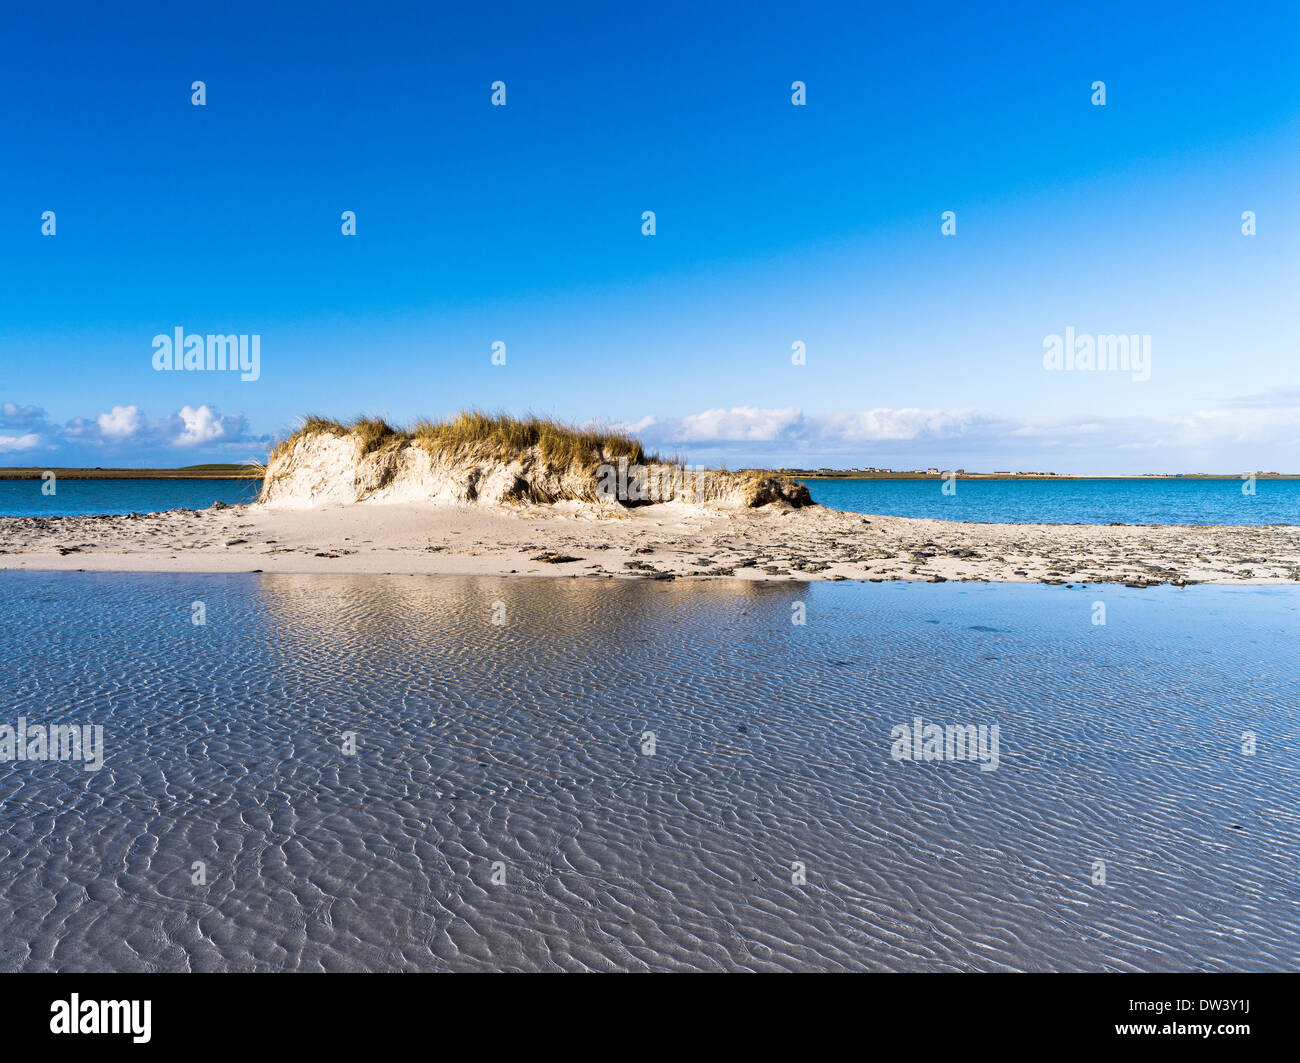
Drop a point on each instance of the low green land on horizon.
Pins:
(256, 472)
(188, 472)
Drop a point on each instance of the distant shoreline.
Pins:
(189, 472)
(253, 472)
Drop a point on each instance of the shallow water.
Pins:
(521, 743)
(1146, 501)
(24, 498)
(1154, 501)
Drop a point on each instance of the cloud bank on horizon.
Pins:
(1220, 439)
(126, 436)
(839, 432)
(1225, 439)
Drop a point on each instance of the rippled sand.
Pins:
(521, 743)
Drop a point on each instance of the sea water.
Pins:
(1094, 501)
(1145, 501)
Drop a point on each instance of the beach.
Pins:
(670, 540)
(666, 489)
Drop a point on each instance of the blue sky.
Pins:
(775, 224)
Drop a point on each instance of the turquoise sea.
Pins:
(24, 498)
(1167, 500)
(1094, 501)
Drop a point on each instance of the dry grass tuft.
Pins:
(371, 432)
(503, 437)
(374, 432)
(497, 436)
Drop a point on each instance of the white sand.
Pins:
(671, 539)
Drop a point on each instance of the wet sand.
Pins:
(665, 541)
(502, 810)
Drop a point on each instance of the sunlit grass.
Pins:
(499, 437)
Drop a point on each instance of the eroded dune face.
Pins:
(325, 469)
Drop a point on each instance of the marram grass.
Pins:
(500, 436)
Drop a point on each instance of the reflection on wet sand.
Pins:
(372, 774)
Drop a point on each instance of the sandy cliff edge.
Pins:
(318, 469)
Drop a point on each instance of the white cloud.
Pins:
(750, 424)
(127, 433)
(12, 415)
(21, 427)
(910, 423)
(739, 424)
(120, 422)
(201, 426)
(23, 442)
(1222, 439)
